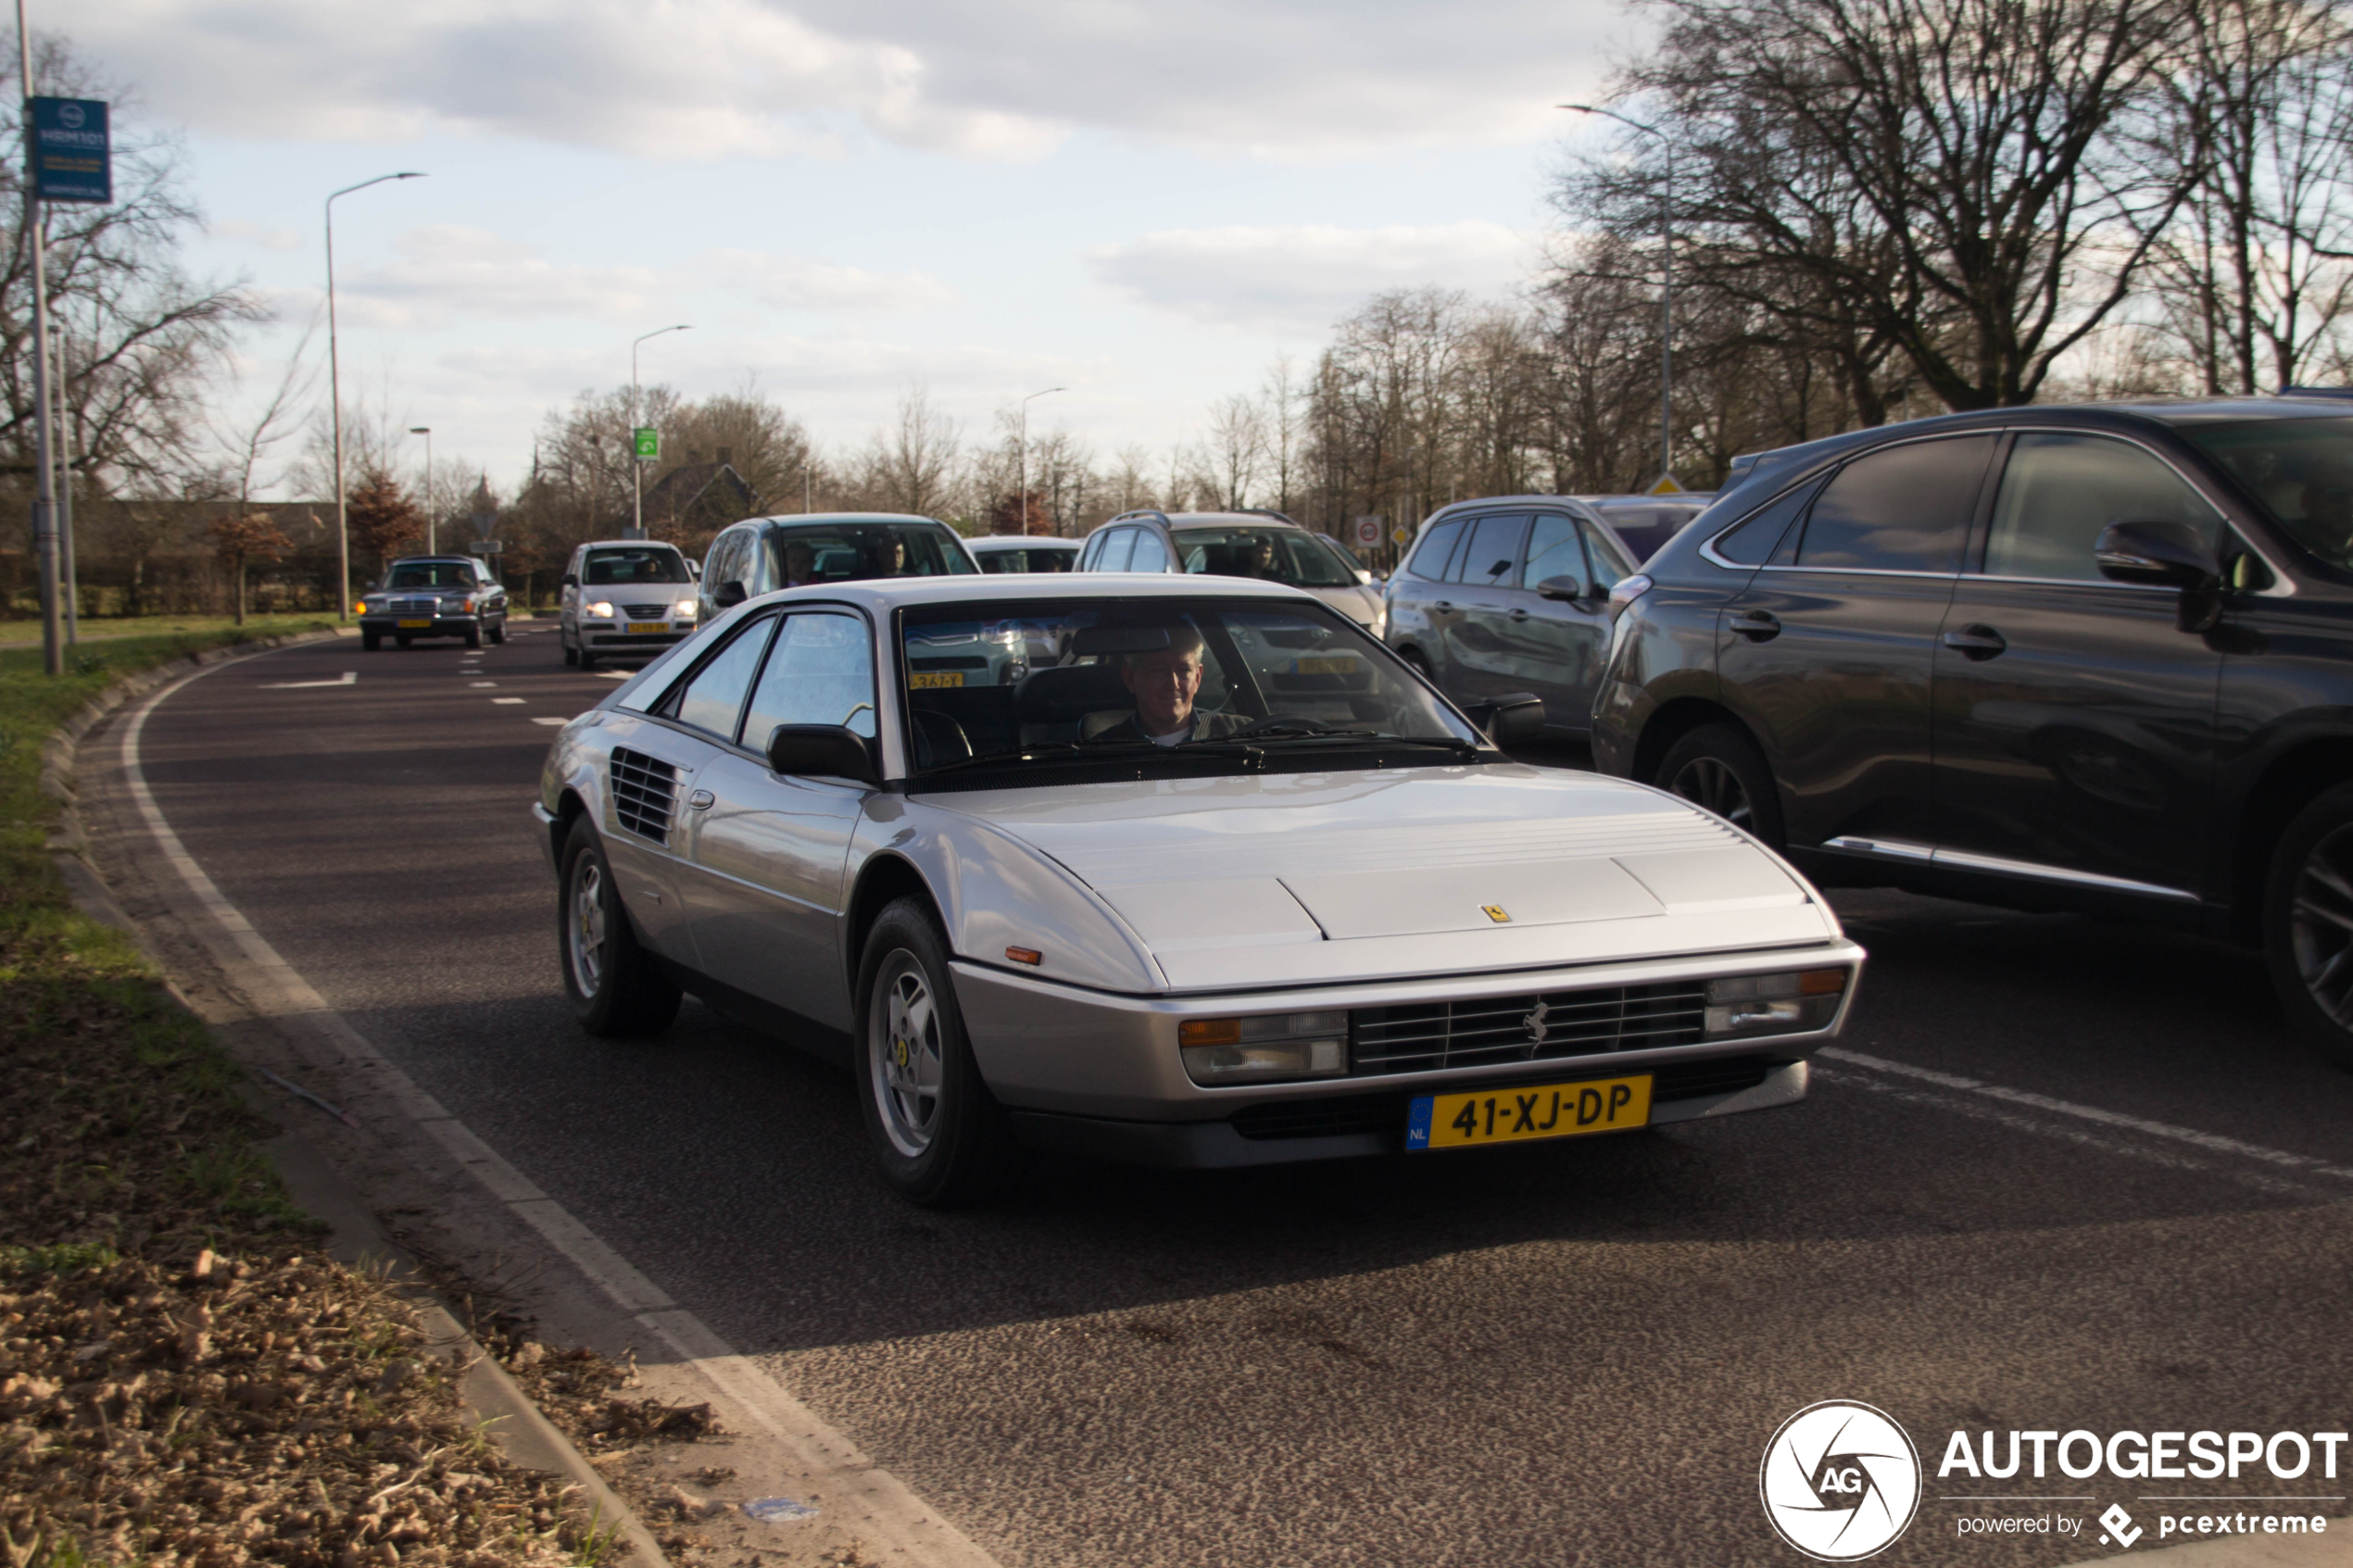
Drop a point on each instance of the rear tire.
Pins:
(615, 987)
(2308, 923)
(1718, 769)
(937, 1131)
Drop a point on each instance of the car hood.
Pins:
(1296, 879)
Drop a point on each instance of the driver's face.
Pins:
(1164, 686)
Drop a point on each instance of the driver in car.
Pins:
(1164, 683)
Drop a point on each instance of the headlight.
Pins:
(688, 610)
(1265, 1050)
(601, 610)
(1774, 1004)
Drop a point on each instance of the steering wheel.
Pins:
(1283, 723)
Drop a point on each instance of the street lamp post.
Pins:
(1025, 453)
(432, 545)
(1666, 292)
(44, 500)
(335, 397)
(637, 468)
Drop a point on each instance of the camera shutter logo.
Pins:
(1841, 1481)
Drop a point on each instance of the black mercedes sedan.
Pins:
(2096, 657)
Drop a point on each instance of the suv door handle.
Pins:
(1443, 604)
(1519, 615)
(1975, 642)
(1757, 625)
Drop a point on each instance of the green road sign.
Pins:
(649, 444)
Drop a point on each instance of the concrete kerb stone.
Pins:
(518, 1427)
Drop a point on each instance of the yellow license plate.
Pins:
(1516, 1115)
(635, 626)
(409, 625)
(1327, 666)
(919, 679)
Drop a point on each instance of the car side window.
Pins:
(1900, 508)
(1554, 551)
(820, 670)
(720, 567)
(1151, 554)
(1115, 548)
(715, 695)
(1610, 565)
(1434, 551)
(1753, 540)
(1491, 558)
(2060, 490)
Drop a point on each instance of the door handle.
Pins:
(1975, 642)
(701, 800)
(1519, 615)
(1757, 625)
(1443, 604)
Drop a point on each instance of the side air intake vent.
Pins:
(644, 791)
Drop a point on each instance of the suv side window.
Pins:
(1115, 548)
(1491, 559)
(1554, 551)
(714, 697)
(1900, 508)
(720, 567)
(821, 670)
(1151, 554)
(1437, 547)
(2060, 490)
(1610, 565)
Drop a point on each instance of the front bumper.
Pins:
(612, 636)
(434, 625)
(1089, 1069)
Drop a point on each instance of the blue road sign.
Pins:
(71, 160)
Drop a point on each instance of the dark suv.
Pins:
(2092, 658)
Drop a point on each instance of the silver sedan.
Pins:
(1191, 873)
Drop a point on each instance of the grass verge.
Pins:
(179, 1384)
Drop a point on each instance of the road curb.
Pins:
(518, 1425)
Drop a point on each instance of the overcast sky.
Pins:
(1142, 201)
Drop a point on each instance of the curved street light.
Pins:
(334, 396)
(637, 469)
(1666, 292)
(1025, 453)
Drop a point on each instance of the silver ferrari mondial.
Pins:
(1180, 871)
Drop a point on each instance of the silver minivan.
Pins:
(1510, 593)
(1264, 545)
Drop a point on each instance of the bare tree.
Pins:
(1232, 449)
(911, 465)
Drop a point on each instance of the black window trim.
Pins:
(1969, 530)
(659, 709)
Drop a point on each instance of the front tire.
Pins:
(937, 1131)
(474, 637)
(586, 659)
(1718, 769)
(2308, 923)
(498, 633)
(571, 655)
(372, 641)
(616, 989)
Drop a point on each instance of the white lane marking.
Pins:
(616, 675)
(884, 1506)
(349, 678)
(480, 684)
(2213, 1142)
(542, 719)
(506, 700)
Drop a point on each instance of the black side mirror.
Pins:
(730, 594)
(1510, 719)
(1567, 590)
(570, 581)
(822, 751)
(2160, 555)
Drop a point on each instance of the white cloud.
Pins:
(444, 271)
(725, 78)
(238, 231)
(796, 283)
(1300, 280)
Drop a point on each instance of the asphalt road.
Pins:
(1563, 1353)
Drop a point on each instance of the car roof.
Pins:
(630, 545)
(1232, 520)
(416, 560)
(1023, 541)
(835, 519)
(884, 594)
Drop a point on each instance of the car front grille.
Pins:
(1385, 1113)
(1428, 1037)
(644, 791)
(647, 612)
(412, 607)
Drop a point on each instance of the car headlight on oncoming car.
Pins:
(1796, 1003)
(1265, 1050)
(688, 610)
(601, 610)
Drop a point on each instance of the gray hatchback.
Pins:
(1511, 594)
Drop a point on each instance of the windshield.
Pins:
(605, 568)
(431, 575)
(1280, 555)
(838, 552)
(1034, 558)
(2299, 470)
(1007, 696)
